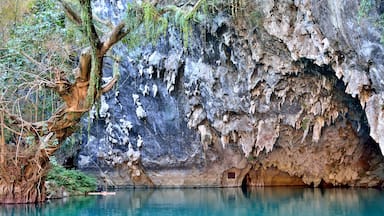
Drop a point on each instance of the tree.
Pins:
(10, 12)
(23, 167)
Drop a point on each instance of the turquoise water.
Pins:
(214, 201)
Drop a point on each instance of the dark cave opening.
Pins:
(356, 114)
(350, 128)
(244, 183)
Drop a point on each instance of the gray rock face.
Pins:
(279, 84)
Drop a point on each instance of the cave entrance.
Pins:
(244, 183)
(270, 177)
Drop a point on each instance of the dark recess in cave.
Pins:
(356, 115)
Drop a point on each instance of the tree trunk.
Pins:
(23, 181)
(24, 166)
(22, 191)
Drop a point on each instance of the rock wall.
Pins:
(279, 92)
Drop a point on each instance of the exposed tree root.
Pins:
(23, 181)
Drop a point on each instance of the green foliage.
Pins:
(153, 22)
(255, 18)
(305, 123)
(37, 46)
(145, 23)
(11, 12)
(183, 21)
(75, 182)
(251, 158)
(149, 23)
(364, 8)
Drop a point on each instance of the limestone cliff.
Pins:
(278, 93)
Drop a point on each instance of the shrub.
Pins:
(74, 181)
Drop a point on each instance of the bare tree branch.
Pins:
(117, 33)
(109, 85)
(20, 122)
(71, 14)
(2, 139)
(31, 59)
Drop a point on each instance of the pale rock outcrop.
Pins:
(375, 116)
(267, 133)
(289, 88)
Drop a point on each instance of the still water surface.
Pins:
(214, 201)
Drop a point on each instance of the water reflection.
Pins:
(215, 201)
(315, 201)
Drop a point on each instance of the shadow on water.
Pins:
(215, 201)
